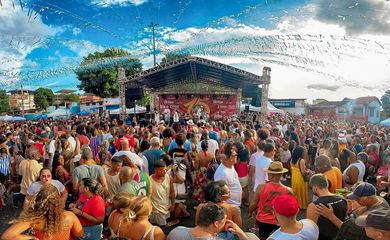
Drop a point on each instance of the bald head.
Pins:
(125, 144)
(323, 164)
(126, 174)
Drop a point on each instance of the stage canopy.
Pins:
(194, 69)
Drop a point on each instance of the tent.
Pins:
(59, 113)
(83, 112)
(138, 109)
(270, 108)
(385, 122)
(13, 119)
(41, 116)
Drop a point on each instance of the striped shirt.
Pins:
(94, 143)
(4, 165)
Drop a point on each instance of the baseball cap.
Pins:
(362, 190)
(378, 219)
(285, 205)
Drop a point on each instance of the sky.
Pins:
(316, 49)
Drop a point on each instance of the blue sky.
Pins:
(320, 48)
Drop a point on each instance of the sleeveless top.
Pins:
(309, 231)
(143, 187)
(265, 210)
(360, 166)
(160, 196)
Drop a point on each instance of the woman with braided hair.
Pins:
(46, 219)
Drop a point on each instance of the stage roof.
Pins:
(194, 69)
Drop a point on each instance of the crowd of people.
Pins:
(298, 177)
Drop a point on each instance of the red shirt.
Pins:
(39, 146)
(265, 211)
(94, 206)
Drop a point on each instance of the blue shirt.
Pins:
(4, 165)
(187, 145)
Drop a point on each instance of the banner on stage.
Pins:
(196, 105)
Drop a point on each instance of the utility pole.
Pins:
(153, 26)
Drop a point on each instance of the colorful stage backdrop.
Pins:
(221, 104)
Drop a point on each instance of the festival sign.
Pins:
(221, 104)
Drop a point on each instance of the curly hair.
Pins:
(47, 205)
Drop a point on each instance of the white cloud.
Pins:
(76, 31)
(20, 35)
(301, 52)
(108, 3)
(83, 47)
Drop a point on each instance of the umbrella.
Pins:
(83, 112)
(14, 119)
(386, 122)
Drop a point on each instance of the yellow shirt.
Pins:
(29, 170)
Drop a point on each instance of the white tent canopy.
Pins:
(138, 109)
(270, 108)
(385, 122)
(59, 113)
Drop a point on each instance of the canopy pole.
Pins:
(121, 79)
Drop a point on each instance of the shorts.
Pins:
(244, 181)
(265, 229)
(159, 219)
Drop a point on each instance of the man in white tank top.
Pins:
(355, 171)
(286, 209)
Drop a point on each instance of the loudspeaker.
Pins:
(256, 100)
(130, 103)
(246, 108)
(147, 108)
(250, 90)
(134, 93)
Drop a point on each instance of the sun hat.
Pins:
(276, 167)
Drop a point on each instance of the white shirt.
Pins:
(213, 146)
(261, 176)
(36, 186)
(175, 117)
(361, 168)
(72, 143)
(230, 176)
(137, 160)
(309, 231)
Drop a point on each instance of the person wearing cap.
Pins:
(319, 185)
(365, 195)
(263, 197)
(163, 196)
(153, 154)
(376, 224)
(286, 209)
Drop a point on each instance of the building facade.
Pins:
(21, 99)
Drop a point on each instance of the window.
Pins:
(371, 112)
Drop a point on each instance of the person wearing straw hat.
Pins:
(263, 196)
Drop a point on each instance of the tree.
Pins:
(386, 103)
(143, 101)
(101, 80)
(173, 56)
(73, 97)
(43, 98)
(4, 102)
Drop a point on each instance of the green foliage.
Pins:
(386, 103)
(172, 56)
(144, 101)
(73, 97)
(102, 82)
(43, 98)
(4, 103)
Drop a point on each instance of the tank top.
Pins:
(39, 146)
(143, 187)
(131, 141)
(160, 196)
(309, 231)
(265, 210)
(360, 166)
